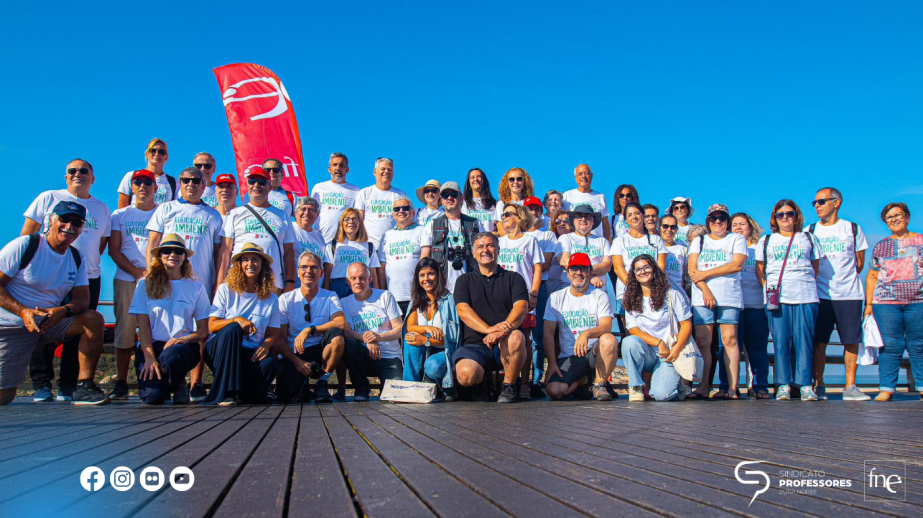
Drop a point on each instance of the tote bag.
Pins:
(689, 365)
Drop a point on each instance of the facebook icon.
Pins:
(92, 479)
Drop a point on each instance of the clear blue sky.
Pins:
(736, 102)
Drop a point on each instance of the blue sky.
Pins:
(733, 102)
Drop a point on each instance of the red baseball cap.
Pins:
(225, 178)
(258, 173)
(579, 259)
(532, 201)
(144, 174)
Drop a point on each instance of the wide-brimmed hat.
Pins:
(430, 183)
(172, 241)
(586, 209)
(680, 199)
(252, 248)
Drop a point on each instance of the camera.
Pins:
(456, 256)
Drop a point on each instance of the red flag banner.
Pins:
(262, 122)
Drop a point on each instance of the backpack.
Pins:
(855, 232)
(32, 247)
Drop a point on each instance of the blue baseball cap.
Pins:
(70, 207)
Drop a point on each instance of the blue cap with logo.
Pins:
(70, 207)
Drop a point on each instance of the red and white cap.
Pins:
(143, 174)
(579, 259)
(225, 178)
(258, 172)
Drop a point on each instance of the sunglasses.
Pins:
(515, 180)
(785, 215)
(403, 208)
(272, 169)
(629, 196)
(671, 228)
(561, 222)
(509, 215)
(73, 170)
(718, 219)
(140, 182)
(579, 268)
(195, 181)
(821, 202)
(207, 167)
(157, 151)
(172, 251)
(682, 206)
(449, 194)
(307, 312)
(257, 181)
(430, 191)
(73, 220)
(644, 269)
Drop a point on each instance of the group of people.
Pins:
(447, 286)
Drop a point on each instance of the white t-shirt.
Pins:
(485, 217)
(719, 252)
(45, 282)
(164, 191)
(575, 315)
(676, 265)
(243, 227)
(199, 226)
(522, 256)
(324, 306)
(657, 323)
(682, 234)
(594, 246)
(377, 205)
(454, 237)
(174, 316)
(95, 228)
(548, 242)
(263, 313)
(628, 248)
(574, 198)
(131, 222)
(308, 242)
(374, 314)
(348, 253)
(837, 278)
(400, 253)
(278, 199)
(749, 283)
(426, 214)
(210, 197)
(798, 283)
(619, 225)
(333, 199)
(435, 322)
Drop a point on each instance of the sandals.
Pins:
(695, 396)
(763, 395)
(721, 395)
(734, 395)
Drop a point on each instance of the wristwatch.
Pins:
(69, 312)
(427, 344)
(312, 330)
(287, 281)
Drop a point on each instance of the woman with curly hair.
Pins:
(478, 202)
(244, 321)
(515, 186)
(168, 303)
(652, 308)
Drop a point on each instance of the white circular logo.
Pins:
(122, 478)
(181, 478)
(92, 478)
(151, 478)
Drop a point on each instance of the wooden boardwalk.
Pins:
(536, 459)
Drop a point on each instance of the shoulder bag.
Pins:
(273, 234)
(772, 294)
(689, 365)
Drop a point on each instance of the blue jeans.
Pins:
(640, 357)
(792, 327)
(753, 337)
(901, 327)
(416, 364)
(538, 335)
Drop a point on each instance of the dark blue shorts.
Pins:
(487, 358)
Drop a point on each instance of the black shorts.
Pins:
(487, 358)
(846, 315)
(572, 369)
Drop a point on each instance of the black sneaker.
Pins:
(323, 394)
(507, 394)
(362, 393)
(584, 392)
(120, 391)
(307, 393)
(538, 392)
(181, 396)
(198, 393)
(88, 393)
(271, 397)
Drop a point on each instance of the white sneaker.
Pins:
(807, 394)
(635, 394)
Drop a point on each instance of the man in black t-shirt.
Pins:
(491, 304)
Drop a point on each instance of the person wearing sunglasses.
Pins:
(894, 295)
(172, 310)
(450, 236)
(548, 243)
(401, 249)
(428, 195)
(625, 247)
(128, 250)
(312, 323)
(307, 239)
(479, 201)
(37, 272)
(244, 322)
(585, 195)
(715, 262)
(560, 225)
(92, 242)
(375, 201)
(681, 208)
(205, 162)
(839, 290)
(515, 186)
(584, 220)
(156, 156)
(278, 196)
(334, 196)
(351, 245)
(624, 194)
(677, 253)
(790, 296)
(226, 193)
(247, 224)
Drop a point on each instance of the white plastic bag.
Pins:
(868, 355)
(871, 336)
(398, 391)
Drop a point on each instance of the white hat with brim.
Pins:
(252, 248)
(172, 241)
(680, 199)
(429, 183)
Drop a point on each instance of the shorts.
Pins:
(701, 315)
(16, 346)
(487, 358)
(572, 369)
(845, 314)
(126, 325)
